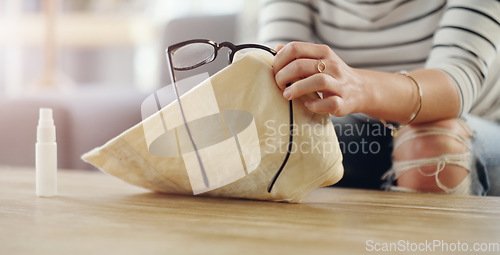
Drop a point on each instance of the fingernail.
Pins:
(287, 94)
(307, 104)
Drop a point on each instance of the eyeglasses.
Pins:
(192, 54)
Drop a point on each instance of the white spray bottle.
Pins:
(46, 155)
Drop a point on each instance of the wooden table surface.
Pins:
(98, 214)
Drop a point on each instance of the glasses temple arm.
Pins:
(176, 91)
(289, 150)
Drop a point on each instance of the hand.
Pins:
(341, 85)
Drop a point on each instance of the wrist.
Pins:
(369, 97)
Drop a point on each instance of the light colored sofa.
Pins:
(88, 116)
(84, 118)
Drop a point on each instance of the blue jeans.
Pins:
(367, 147)
(486, 149)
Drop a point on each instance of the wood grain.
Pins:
(98, 214)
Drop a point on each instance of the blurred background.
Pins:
(105, 42)
(94, 62)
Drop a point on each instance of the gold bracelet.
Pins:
(394, 129)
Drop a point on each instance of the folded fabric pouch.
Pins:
(239, 122)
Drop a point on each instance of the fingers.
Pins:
(332, 101)
(316, 83)
(297, 63)
(297, 50)
(296, 70)
(332, 105)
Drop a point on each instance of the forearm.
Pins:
(394, 97)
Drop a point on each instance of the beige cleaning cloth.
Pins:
(239, 121)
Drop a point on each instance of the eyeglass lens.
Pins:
(193, 55)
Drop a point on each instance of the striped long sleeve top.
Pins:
(459, 37)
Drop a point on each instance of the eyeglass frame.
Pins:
(232, 51)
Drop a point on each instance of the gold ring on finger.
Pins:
(321, 66)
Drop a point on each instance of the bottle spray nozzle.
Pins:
(46, 131)
(45, 117)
